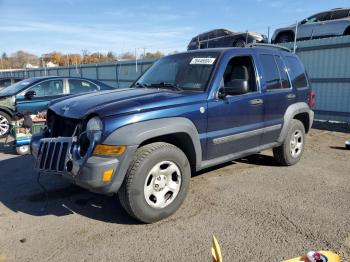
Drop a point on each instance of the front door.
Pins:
(44, 92)
(234, 121)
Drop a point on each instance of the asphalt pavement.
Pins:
(258, 211)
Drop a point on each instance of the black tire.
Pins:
(284, 38)
(5, 121)
(23, 150)
(132, 192)
(283, 153)
(347, 144)
(347, 31)
(239, 43)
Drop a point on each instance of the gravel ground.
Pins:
(259, 211)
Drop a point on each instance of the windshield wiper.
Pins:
(167, 86)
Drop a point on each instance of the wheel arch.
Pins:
(178, 131)
(291, 32)
(347, 31)
(300, 111)
(305, 119)
(7, 111)
(181, 140)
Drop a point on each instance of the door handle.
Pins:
(291, 96)
(256, 101)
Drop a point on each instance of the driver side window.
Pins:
(48, 88)
(238, 69)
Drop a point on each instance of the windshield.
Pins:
(16, 88)
(188, 71)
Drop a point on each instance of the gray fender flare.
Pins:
(292, 111)
(136, 133)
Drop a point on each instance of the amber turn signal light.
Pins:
(108, 150)
(107, 175)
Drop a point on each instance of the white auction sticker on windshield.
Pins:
(202, 61)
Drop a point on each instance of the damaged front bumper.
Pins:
(60, 156)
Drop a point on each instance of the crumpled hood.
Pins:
(120, 101)
(7, 101)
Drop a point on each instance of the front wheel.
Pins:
(290, 152)
(5, 120)
(156, 183)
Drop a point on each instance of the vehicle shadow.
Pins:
(330, 126)
(259, 160)
(339, 148)
(256, 159)
(7, 148)
(20, 192)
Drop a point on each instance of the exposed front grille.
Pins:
(53, 154)
(60, 125)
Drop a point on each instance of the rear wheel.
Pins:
(290, 152)
(5, 120)
(156, 183)
(284, 38)
(239, 43)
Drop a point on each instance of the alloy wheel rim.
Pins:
(4, 125)
(162, 184)
(296, 143)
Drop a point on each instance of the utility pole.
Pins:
(295, 36)
(136, 59)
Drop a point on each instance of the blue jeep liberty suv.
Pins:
(188, 112)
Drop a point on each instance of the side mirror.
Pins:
(234, 87)
(303, 22)
(30, 94)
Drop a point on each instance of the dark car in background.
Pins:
(335, 22)
(33, 95)
(225, 38)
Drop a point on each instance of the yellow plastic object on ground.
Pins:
(326, 256)
(216, 251)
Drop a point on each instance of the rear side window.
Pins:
(79, 86)
(296, 72)
(283, 73)
(339, 14)
(274, 73)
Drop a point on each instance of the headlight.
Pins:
(94, 124)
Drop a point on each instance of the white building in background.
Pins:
(50, 64)
(29, 66)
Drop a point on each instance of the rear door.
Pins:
(45, 91)
(77, 86)
(330, 26)
(278, 93)
(234, 121)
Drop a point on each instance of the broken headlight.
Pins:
(94, 124)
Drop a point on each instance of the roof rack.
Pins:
(269, 45)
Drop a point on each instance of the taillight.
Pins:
(312, 99)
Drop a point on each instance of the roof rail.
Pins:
(269, 45)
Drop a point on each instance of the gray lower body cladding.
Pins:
(54, 156)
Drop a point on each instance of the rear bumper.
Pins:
(85, 172)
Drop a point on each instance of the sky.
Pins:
(70, 26)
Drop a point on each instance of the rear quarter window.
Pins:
(296, 72)
(274, 73)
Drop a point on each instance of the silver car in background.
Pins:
(335, 22)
